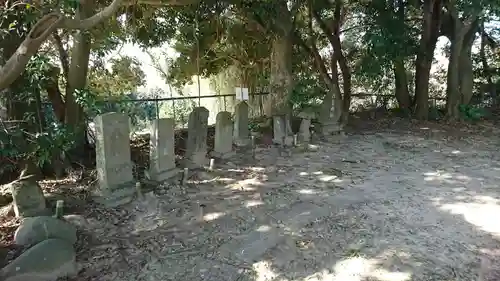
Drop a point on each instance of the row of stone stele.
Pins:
(48, 240)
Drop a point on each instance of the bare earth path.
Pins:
(387, 206)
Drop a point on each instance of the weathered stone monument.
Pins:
(241, 131)
(162, 152)
(330, 118)
(304, 135)
(113, 162)
(282, 130)
(223, 147)
(27, 197)
(196, 147)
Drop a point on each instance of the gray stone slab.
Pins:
(113, 161)
(162, 152)
(28, 198)
(282, 130)
(223, 135)
(304, 135)
(241, 130)
(196, 147)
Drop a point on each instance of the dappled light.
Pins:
(223, 140)
(212, 216)
(263, 271)
(253, 203)
(246, 184)
(480, 211)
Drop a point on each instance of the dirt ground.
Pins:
(406, 201)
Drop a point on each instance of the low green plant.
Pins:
(472, 113)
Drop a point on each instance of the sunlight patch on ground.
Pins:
(327, 178)
(246, 184)
(322, 176)
(213, 216)
(307, 191)
(263, 271)
(263, 228)
(483, 215)
(216, 179)
(257, 169)
(358, 269)
(236, 170)
(253, 203)
(446, 177)
(227, 180)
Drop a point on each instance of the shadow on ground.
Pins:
(386, 206)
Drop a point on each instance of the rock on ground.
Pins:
(46, 261)
(37, 229)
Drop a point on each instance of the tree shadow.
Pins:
(388, 218)
(440, 226)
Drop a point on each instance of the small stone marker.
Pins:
(223, 136)
(212, 164)
(281, 131)
(28, 198)
(253, 146)
(138, 189)
(305, 125)
(162, 153)
(241, 130)
(59, 209)
(185, 175)
(113, 161)
(196, 148)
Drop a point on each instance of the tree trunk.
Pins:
(453, 95)
(77, 77)
(281, 84)
(55, 96)
(332, 106)
(428, 40)
(401, 85)
(459, 83)
(490, 87)
(466, 73)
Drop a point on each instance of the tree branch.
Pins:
(49, 24)
(63, 54)
(322, 25)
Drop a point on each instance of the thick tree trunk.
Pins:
(488, 73)
(428, 40)
(332, 107)
(339, 16)
(453, 94)
(402, 92)
(281, 84)
(55, 96)
(459, 83)
(77, 77)
(466, 74)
